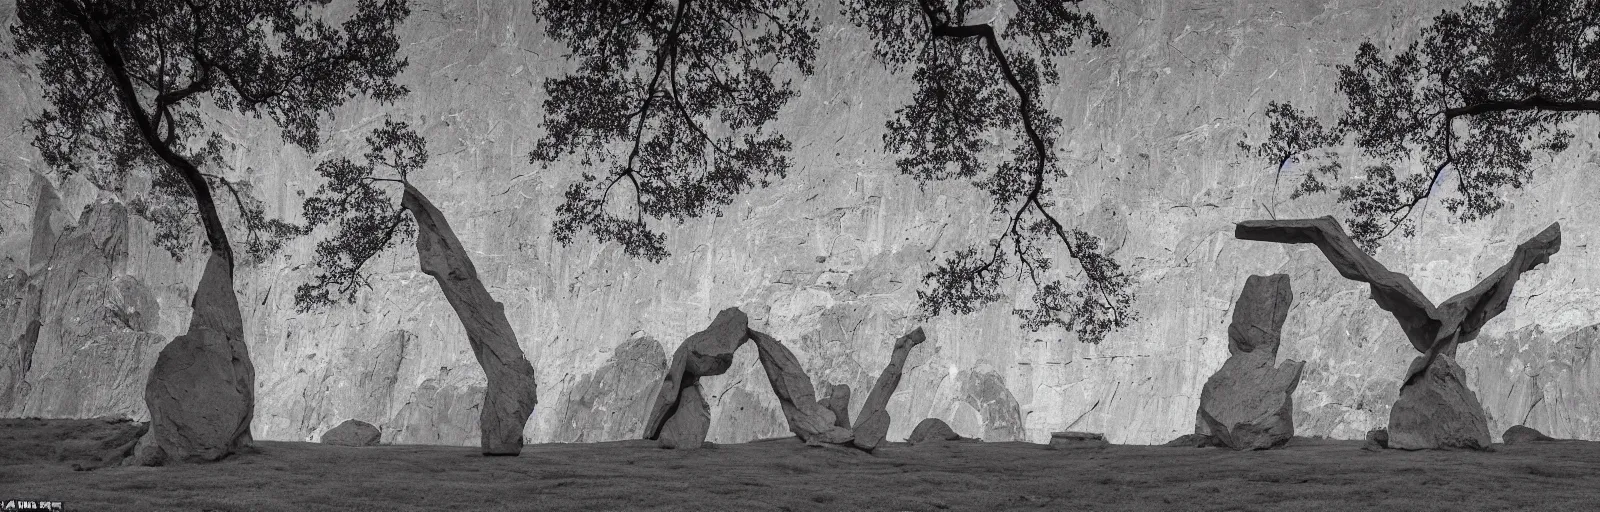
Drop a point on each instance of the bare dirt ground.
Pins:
(784, 474)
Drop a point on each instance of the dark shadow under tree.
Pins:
(1484, 90)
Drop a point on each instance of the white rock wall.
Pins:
(830, 259)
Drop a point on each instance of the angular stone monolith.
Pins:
(705, 353)
(686, 429)
(352, 433)
(808, 419)
(1248, 404)
(1438, 411)
(872, 424)
(838, 401)
(201, 392)
(1424, 408)
(511, 393)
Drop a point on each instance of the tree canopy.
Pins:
(364, 201)
(1482, 92)
(132, 87)
(672, 97)
(974, 78)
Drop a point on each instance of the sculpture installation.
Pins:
(681, 418)
(1435, 409)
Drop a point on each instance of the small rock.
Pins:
(838, 401)
(352, 433)
(1377, 440)
(932, 429)
(1077, 441)
(1193, 441)
(1519, 434)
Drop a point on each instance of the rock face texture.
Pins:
(1249, 403)
(352, 433)
(201, 392)
(1154, 172)
(1435, 410)
(511, 392)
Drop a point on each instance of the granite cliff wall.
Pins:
(827, 261)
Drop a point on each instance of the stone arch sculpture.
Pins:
(681, 418)
(1435, 409)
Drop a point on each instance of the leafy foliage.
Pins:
(130, 84)
(973, 79)
(363, 201)
(672, 98)
(1484, 89)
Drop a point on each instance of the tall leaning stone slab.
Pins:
(1248, 404)
(511, 393)
(1435, 409)
(201, 392)
(872, 423)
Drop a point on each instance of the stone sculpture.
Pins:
(1435, 409)
(511, 393)
(808, 419)
(680, 417)
(872, 423)
(201, 392)
(1248, 403)
(352, 433)
(705, 353)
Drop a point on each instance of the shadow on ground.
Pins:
(784, 474)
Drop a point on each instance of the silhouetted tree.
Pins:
(652, 74)
(132, 87)
(671, 97)
(363, 200)
(1483, 90)
(129, 85)
(974, 78)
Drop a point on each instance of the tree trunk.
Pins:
(511, 394)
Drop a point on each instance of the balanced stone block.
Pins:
(1438, 411)
(1248, 404)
